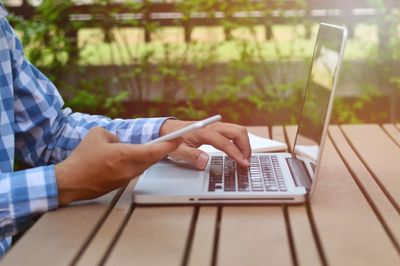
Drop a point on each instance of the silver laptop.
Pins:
(271, 177)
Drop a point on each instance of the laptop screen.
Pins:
(320, 85)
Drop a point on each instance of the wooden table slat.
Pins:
(253, 236)
(380, 154)
(203, 240)
(393, 132)
(386, 210)
(153, 236)
(346, 237)
(243, 230)
(301, 228)
(303, 238)
(101, 242)
(355, 211)
(58, 236)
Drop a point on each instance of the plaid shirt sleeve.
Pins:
(22, 195)
(45, 133)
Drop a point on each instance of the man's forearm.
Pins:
(75, 126)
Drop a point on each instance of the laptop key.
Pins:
(263, 174)
(271, 188)
(216, 171)
(211, 186)
(243, 179)
(216, 167)
(244, 187)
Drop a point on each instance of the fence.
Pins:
(262, 12)
(266, 13)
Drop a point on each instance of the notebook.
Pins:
(257, 144)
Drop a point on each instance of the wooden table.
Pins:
(353, 219)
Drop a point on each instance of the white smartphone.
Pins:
(187, 129)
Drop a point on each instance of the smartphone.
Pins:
(177, 133)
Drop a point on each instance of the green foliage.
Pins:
(190, 80)
(49, 43)
(94, 98)
(353, 111)
(45, 36)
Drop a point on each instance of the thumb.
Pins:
(193, 156)
(148, 153)
(160, 150)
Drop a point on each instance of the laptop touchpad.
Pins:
(169, 178)
(167, 172)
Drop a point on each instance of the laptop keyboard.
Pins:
(263, 174)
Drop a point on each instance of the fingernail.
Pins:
(246, 162)
(202, 161)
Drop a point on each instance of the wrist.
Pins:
(64, 195)
(171, 125)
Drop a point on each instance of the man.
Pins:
(77, 156)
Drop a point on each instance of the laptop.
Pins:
(272, 178)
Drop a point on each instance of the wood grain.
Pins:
(355, 214)
(302, 235)
(103, 239)
(58, 236)
(393, 132)
(153, 236)
(348, 229)
(253, 236)
(203, 240)
(380, 154)
(382, 205)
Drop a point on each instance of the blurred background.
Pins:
(247, 59)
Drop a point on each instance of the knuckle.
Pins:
(96, 129)
(228, 143)
(111, 137)
(230, 147)
(242, 130)
(191, 154)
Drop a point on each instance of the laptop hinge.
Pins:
(299, 172)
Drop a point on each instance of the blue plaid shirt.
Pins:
(35, 129)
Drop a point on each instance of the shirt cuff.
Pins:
(30, 192)
(155, 132)
(139, 130)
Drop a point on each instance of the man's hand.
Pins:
(230, 138)
(101, 164)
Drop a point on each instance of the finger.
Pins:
(146, 153)
(193, 156)
(224, 144)
(239, 136)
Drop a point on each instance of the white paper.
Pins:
(258, 144)
(309, 151)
